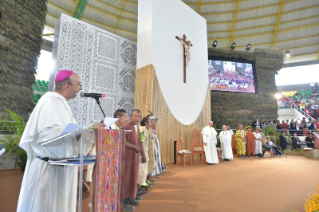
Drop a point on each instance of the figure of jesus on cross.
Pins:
(186, 55)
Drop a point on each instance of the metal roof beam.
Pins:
(266, 16)
(233, 28)
(110, 14)
(119, 16)
(261, 44)
(298, 47)
(49, 3)
(79, 9)
(110, 26)
(302, 54)
(270, 32)
(198, 5)
(211, 3)
(243, 10)
(277, 23)
(116, 8)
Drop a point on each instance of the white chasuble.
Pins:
(225, 143)
(47, 188)
(210, 142)
(258, 144)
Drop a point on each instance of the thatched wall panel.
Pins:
(20, 43)
(148, 96)
(232, 108)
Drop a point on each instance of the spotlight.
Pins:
(233, 46)
(215, 43)
(287, 53)
(278, 95)
(248, 47)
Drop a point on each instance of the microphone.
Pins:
(93, 95)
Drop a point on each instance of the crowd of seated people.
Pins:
(301, 127)
(307, 102)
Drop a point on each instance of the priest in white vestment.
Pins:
(258, 143)
(50, 188)
(210, 142)
(225, 143)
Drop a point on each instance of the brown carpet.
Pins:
(264, 184)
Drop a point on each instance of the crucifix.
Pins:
(186, 55)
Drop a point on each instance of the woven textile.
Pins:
(108, 180)
(151, 153)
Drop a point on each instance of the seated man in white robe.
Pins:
(45, 187)
(225, 143)
(210, 142)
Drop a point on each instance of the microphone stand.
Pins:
(97, 99)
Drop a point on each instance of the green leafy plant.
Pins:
(14, 125)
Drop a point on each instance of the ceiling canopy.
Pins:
(283, 24)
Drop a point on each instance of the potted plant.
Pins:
(14, 126)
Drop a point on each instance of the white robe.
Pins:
(258, 144)
(209, 138)
(143, 167)
(225, 142)
(47, 188)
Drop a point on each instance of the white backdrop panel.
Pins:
(159, 21)
(105, 62)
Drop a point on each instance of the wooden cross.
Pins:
(186, 55)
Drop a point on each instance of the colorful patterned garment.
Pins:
(241, 145)
(151, 155)
(157, 156)
(108, 178)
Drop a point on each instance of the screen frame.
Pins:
(253, 63)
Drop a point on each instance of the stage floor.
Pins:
(257, 184)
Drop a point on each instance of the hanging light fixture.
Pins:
(287, 53)
(215, 43)
(248, 47)
(233, 46)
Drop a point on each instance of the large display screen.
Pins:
(231, 76)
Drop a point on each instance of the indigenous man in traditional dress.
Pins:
(250, 138)
(45, 187)
(240, 138)
(121, 114)
(225, 142)
(159, 167)
(133, 147)
(145, 139)
(210, 142)
(258, 143)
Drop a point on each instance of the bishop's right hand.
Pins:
(99, 125)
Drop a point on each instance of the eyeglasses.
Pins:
(79, 84)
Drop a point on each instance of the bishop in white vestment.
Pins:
(210, 142)
(225, 142)
(45, 187)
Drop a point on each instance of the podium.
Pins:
(72, 150)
